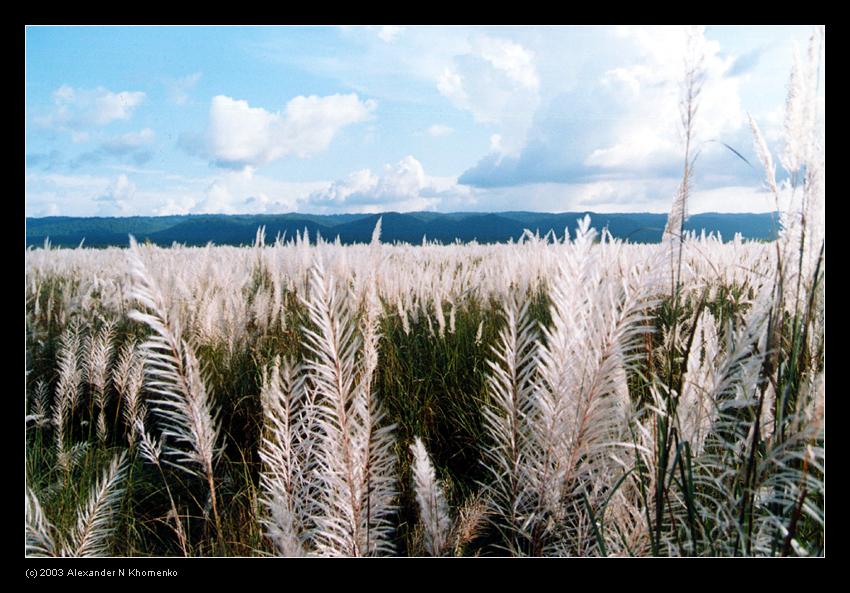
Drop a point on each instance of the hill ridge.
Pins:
(409, 227)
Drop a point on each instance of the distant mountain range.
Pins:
(409, 227)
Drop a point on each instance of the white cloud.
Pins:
(240, 135)
(78, 109)
(732, 199)
(68, 195)
(511, 58)
(496, 81)
(218, 199)
(402, 187)
(156, 193)
(80, 195)
(114, 106)
(450, 85)
(175, 206)
(118, 197)
(242, 192)
(624, 121)
(623, 195)
(639, 149)
(648, 130)
(439, 130)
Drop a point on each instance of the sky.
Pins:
(128, 121)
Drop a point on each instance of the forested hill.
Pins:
(357, 228)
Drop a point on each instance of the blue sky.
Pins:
(125, 121)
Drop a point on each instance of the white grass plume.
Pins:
(39, 531)
(356, 461)
(285, 478)
(150, 448)
(509, 416)
(433, 509)
(128, 378)
(597, 325)
(721, 480)
(691, 87)
(67, 392)
(765, 157)
(40, 412)
(695, 410)
(97, 363)
(92, 534)
(184, 407)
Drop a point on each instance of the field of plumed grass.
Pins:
(546, 397)
(567, 396)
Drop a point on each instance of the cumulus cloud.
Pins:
(402, 187)
(75, 110)
(240, 136)
(625, 123)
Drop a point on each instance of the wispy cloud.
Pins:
(77, 110)
(134, 147)
(746, 62)
(439, 130)
(179, 89)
